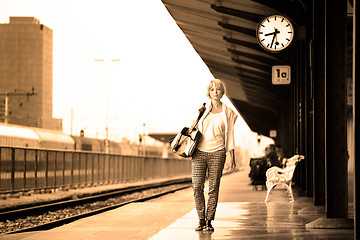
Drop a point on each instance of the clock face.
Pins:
(275, 33)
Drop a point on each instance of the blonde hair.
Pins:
(218, 84)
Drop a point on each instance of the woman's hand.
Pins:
(233, 162)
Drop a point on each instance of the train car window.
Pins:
(86, 147)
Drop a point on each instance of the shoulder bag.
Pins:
(187, 139)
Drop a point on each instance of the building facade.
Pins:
(26, 73)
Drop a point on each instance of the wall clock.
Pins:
(275, 33)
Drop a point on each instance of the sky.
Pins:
(159, 80)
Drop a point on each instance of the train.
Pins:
(30, 137)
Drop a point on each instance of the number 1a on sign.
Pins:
(281, 74)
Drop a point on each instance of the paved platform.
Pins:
(241, 214)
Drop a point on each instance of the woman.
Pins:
(217, 128)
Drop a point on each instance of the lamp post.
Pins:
(107, 100)
(72, 120)
(143, 142)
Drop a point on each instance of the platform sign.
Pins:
(281, 74)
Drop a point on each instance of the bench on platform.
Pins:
(282, 176)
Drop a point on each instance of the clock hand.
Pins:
(275, 36)
(272, 41)
(273, 33)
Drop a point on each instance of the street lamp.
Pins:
(107, 100)
(143, 142)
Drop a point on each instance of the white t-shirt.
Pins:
(213, 131)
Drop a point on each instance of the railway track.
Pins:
(47, 216)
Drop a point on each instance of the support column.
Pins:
(336, 190)
(319, 101)
(308, 140)
(356, 75)
(335, 110)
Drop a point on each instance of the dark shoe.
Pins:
(209, 227)
(201, 225)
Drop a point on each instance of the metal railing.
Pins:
(25, 169)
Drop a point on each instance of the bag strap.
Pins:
(201, 113)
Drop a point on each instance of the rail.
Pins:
(26, 169)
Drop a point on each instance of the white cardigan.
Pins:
(229, 125)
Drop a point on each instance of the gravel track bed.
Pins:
(8, 226)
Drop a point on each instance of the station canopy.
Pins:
(223, 33)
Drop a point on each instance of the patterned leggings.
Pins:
(213, 162)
